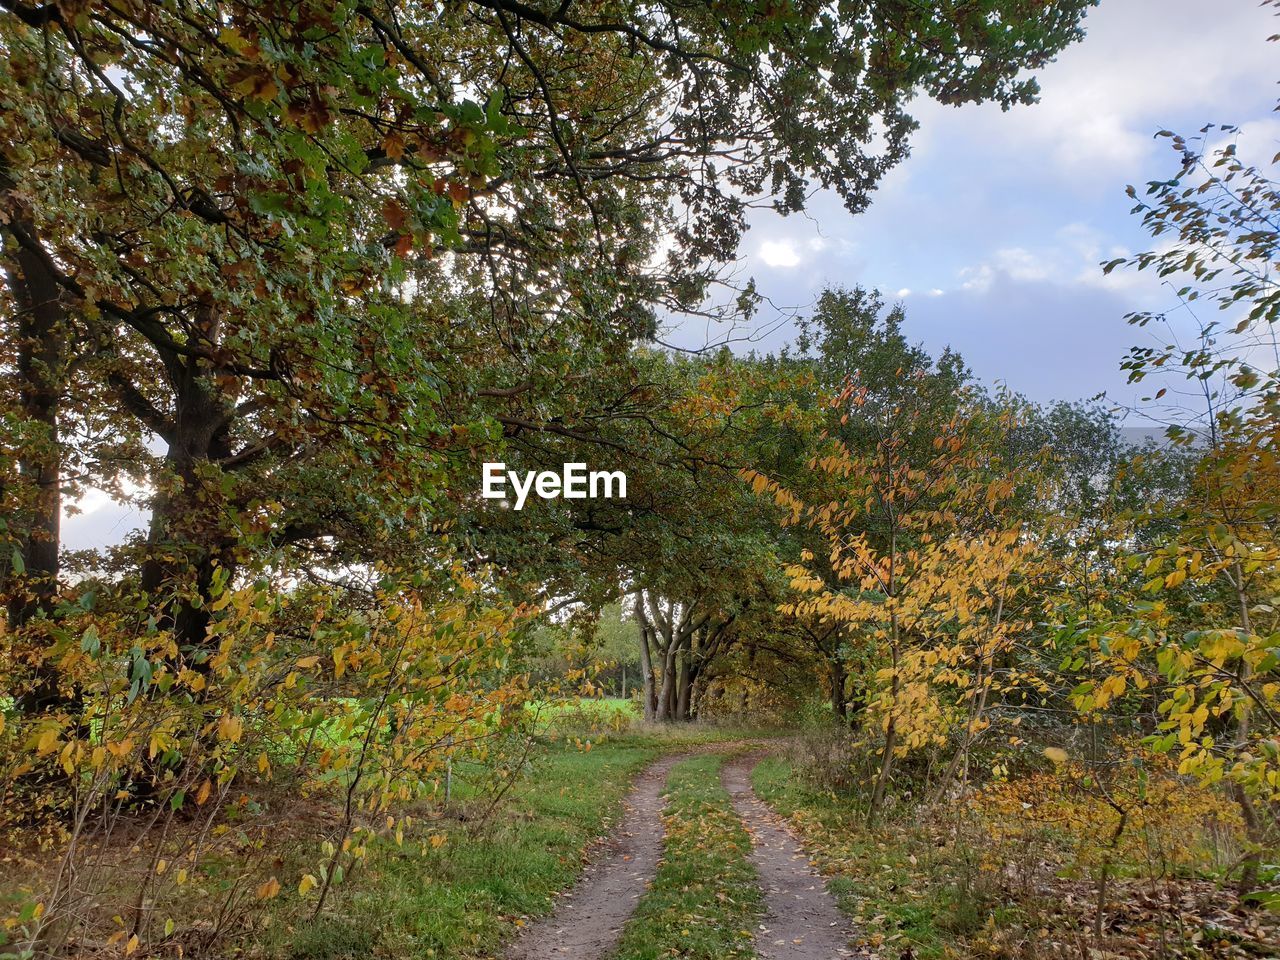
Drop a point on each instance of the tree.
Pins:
(853, 338)
(296, 166)
(1214, 670)
(919, 565)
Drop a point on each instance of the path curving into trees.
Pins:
(588, 921)
(802, 921)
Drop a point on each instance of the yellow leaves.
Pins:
(1198, 717)
(759, 482)
(1056, 755)
(232, 38)
(158, 742)
(48, 739)
(1110, 688)
(1220, 646)
(258, 86)
(230, 728)
(435, 659)
(68, 757)
(131, 946)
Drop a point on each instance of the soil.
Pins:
(588, 921)
(802, 921)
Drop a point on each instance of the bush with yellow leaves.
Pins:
(166, 790)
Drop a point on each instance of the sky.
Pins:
(992, 231)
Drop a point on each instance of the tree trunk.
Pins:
(42, 337)
(41, 334)
(646, 660)
(977, 709)
(890, 742)
(886, 769)
(667, 696)
(683, 681)
(1253, 829)
(838, 703)
(187, 543)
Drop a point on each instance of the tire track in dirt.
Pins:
(587, 922)
(802, 921)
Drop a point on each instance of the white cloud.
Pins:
(1016, 263)
(1135, 71)
(98, 519)
(1072, 256)
(904, 292)
(779, 253)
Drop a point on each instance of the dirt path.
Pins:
(588, 920)
(802, 921)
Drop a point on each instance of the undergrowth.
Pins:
(992, 876)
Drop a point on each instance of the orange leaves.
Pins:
(311, 113)
(761, 484)
(758, 481)
(458, 192)
(393, 145)
(255, 82)
(394, 214)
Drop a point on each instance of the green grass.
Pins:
(461, 900)
(704, 903)
(590, 704)
(586, 714)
